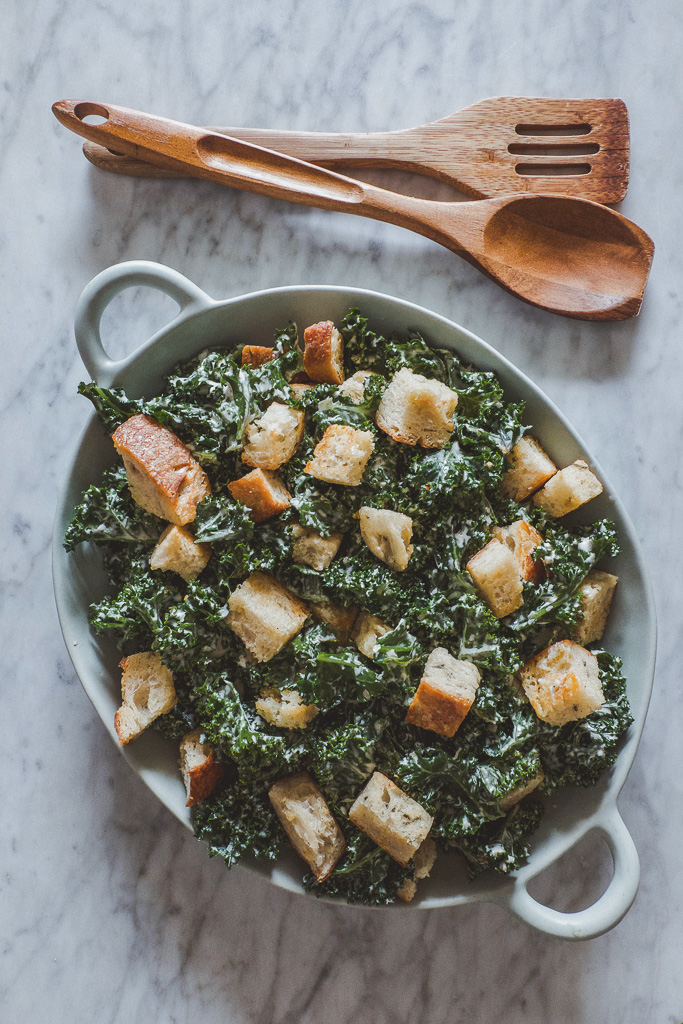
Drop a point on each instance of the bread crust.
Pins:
(530, 468)
(392, 819)
(265, 615)
(522, 538)
(308, 822)
(496, 576)
(256, 355)
(445, 694)
(163, 476)
(178, 551)
(263, 492)
(324, 353)
(568, 489)
(562, 683)
(202, 776)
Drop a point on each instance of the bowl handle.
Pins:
(606, 911)
(97, 295)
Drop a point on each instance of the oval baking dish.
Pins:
(202, 323)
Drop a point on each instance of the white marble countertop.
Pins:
(110, 910)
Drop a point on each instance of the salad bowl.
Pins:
(201, 323)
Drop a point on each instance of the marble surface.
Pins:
(110, 910)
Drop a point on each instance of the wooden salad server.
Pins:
(566, 255)
(497, 146)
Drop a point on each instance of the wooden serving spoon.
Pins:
(569, 256)
(497, 146)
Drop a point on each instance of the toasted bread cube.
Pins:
(597, 591)
(285, 709)
(496, 576)
(366, 632)
(339, 619)
(308, 822)
(272, 439)
(263, 492)
(265, 615)
(178, 551)
(563, 683)
(311, 548)
(299, 389)
(324, 353)
(445, 694)
(423, 862)
(522, 539)
(392, 819)
(530, 469)
(341, 455)
(387, 534)
(147, 691)
(354, 386)
(256, 355)
(416, 410)
(519, 792)
(568, 489)
(163, 476)
(199, 768)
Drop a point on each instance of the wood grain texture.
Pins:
(566, 255)
(478, 150)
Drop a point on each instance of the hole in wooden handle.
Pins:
(91, 113)
(552, 129)
(552, 170)
(554, 149)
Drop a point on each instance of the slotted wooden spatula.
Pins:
(567, 255)
(495, 147)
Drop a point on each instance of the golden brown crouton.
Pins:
(366, 631)
(563, 683)
(387, 534)
(265, 615)
(299, 388)
(324, 353)
(392, 819)
(285, 709)
(311, 548)
(199, 768)
(519, 792)
(163, 476)
(354, 386)
(423, 862)
(256, 355)
(307, 820)
(178, 551)
(445, 694)
(339, 619)
(530, 469)
(147, 691)
(263, 492)
(568, 489)
(522, 538)
(416, 410)
(496, 576)
(341, 455)
(597, 591)
(272, 439)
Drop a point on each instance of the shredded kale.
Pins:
(454, 497)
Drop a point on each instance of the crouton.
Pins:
(416, 410)
(324, 353)
(597, 591)
(147, 691)
(339, 619)
(354, 386)
(445, 694)
(199, 768)
(272, 439)
(568, 489)
(496, 576)
(523, 539)
(299, 389)
(519, 792)
(265, 615)
(311, 548)
(256, 355)
(263, 492)
(341, 455)
(530, 469)
(163, 476)
(307, 820)
(563, 683)
(178, 551)
(366, 631)
(392, 819)
(285, 709)
(388, 535)
(423, 862)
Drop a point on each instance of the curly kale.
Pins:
(365, 874)
(238, 819)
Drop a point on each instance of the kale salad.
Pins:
(455, 500)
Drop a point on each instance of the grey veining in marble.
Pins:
(109, 910)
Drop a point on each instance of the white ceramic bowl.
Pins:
(203, 322)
